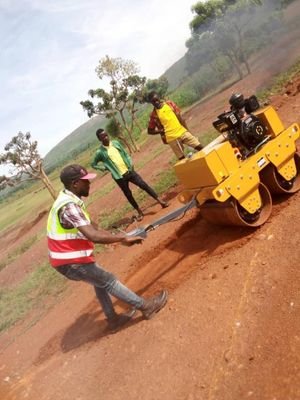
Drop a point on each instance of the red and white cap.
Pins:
(75, 172)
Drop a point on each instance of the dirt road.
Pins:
(230, 331)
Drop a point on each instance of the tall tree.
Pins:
(22, 159)
(225, 20)
(226, 26)
(121, 100)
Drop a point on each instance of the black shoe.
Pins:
(120, 320)
(154, 304)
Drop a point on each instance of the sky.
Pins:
(50, 49)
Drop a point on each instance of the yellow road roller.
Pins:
(232, 178)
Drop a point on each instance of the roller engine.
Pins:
(240, 126)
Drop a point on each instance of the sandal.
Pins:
(139, 217)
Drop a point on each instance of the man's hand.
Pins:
(155, 132)
(131, 240)
(98, 235)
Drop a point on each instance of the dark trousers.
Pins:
(136, 179)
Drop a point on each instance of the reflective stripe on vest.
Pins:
(70, 255)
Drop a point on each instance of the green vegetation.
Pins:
(109, 219)
(166, 180)
(120, 101)
(18, 301)
(209, 136)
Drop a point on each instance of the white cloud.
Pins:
(50, 49)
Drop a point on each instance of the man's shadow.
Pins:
(89, 328)
(86, 329)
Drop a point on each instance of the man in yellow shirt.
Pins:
(167, 121)
(116, 160)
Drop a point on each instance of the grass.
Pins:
(18, 301)
(108, 219)
(166, 180)
(209, 136)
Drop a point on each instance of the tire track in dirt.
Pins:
(173, 260)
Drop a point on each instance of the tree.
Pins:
(160, 86)
(113, 128)
(224, 27)
(121, 100)
(226, 21)
(24, 162)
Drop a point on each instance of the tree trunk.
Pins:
(131, 130)
(235, 65)
(44, 178)
(128, 132)
(123, 139)
(247, 66)
(243, 57)
(138, 125)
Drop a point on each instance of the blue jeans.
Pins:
(105, 284)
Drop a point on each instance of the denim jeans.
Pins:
(105, 284)
(136, 179)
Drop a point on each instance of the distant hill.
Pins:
(76, 142)
(176, 73)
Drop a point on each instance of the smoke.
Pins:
(246, 39)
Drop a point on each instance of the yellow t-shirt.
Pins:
(173, 128)
(116, 158)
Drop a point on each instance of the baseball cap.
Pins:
(75, 172)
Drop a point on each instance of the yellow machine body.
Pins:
(217, 174)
